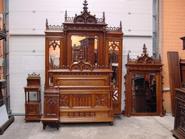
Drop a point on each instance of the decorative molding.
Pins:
(113, 29)
(33, 75)
(84, 18)
(81, 65)
(144, 58)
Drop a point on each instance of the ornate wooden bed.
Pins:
(83, 70)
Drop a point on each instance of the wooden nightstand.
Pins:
(33, 98)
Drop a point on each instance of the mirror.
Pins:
(144, 93)
(54, 54)
(113, 60)
(84, 48)
(114, 63)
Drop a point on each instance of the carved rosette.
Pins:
(101, 100)
(51, 101)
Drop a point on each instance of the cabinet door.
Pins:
(144, 93)
(32, 108)
(51, 105)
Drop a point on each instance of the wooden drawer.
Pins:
(80, 81)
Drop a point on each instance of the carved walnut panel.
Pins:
(179, 124)
(51, 105)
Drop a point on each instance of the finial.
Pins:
(144, 49)
(128, 56)
(65, 15)
(4, 27)
(47, 23)
(120, 25)
(104, 17)
(85, 5)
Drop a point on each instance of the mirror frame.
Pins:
(86, 58)
(143, 65)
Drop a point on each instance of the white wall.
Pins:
(26, 56)
(28, 18)
(135, 46)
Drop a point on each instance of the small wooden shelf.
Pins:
(33, 106)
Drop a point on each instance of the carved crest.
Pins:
(144, 58)
(33, 75)
(85, 16)
(81, 65)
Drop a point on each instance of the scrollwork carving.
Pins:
(114, 29)
(54, 44)
(81, 65)
(33, 75)
(51, 101)
(85, 16)
(64, 100)
(101, 100)
(144, 58)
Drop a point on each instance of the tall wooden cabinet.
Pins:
(84, 60)
(178, 93)
(144, 86)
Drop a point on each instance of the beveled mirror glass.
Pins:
(113, 60)
(84, 48)
(144, 93)
(54, 54)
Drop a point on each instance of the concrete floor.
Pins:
(147, 127)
